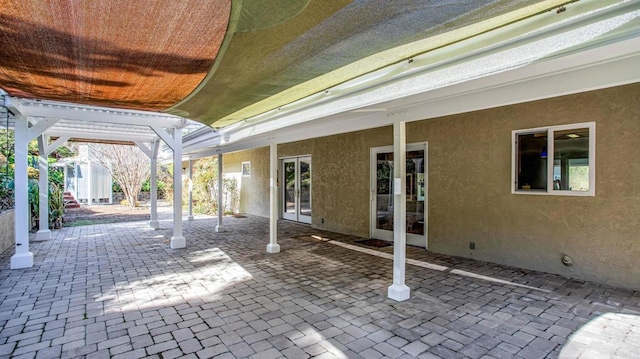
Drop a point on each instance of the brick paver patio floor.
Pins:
(118, 290)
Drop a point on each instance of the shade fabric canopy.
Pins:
(223, 61)
(144, 55)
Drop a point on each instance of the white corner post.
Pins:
(190, 215)
(22, 258)
(153, 196)
(220, 202)
(90, 184)
(399, 291)
(43, 188)
(177, 241)
(273, 246)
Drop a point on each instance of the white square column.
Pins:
(220, 201)
(398, 290)
(190, 189)
(177, 241)
(22, 258)
(273, 246)
(153, 205)
(43, 188)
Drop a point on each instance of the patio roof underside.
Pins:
(221, 61)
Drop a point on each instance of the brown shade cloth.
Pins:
(145, 55)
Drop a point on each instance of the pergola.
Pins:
(261, 73)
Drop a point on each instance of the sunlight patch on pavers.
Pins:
(206, 283)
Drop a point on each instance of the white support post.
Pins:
(22, 258)
(220, 203)
(43, 186)
(190, 215)
(273, 246)
(177, 241)
(399, 291)
(90, 184)
(153, 221)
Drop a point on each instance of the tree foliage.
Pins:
(128, 165)
(205, 188)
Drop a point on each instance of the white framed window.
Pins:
(246, 169)
(556, 160)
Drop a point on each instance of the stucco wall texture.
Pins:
(254, 190)
(470, 198)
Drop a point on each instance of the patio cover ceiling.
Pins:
(222, 61)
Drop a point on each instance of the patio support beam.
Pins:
(153, 221)
(43, 189)
(22, 257)
(273, 246)
(177, 241)
(220, 203)
(45, 150)
(190, 189)
(399, 291)
(152, 153)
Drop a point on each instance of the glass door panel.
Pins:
(382, 201)
(384, 191)
(290, 190)
(304, 175)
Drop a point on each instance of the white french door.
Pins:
(296, 194)
(382, 194)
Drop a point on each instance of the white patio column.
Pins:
(90, 184)
(177, 241)
(22, 258)
(398, 290)
(153, 196)
(220, 204)
(43, 183)
(190, 216)
(273, 246)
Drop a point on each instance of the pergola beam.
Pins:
(164, 135)
(103, 136)
(52, 109)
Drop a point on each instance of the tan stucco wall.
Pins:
(254, 190)
(470, 199)
(470, 196)
(340, 178)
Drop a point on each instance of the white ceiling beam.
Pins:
(48, 109)
(90, 135)
(55, 144)
(40, 127)
(164, 135)
(104, 130)
(143, 147)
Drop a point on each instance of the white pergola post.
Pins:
(22, 258)
(177, 241)
(273, 246)
(190, 215)
(90, 184)
(43, 185)
(399, 291)
(220, 204)
(153, 221)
